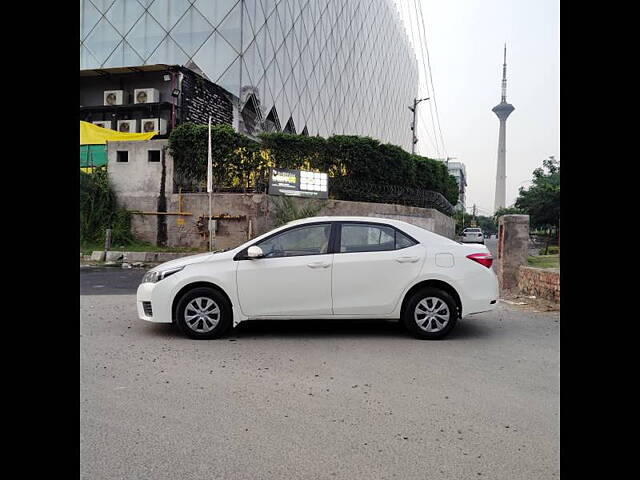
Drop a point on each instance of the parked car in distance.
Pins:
(325, 268)
(472, 235)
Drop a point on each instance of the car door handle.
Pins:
(407, 259)
(318, 265)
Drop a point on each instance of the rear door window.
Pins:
(371, 238)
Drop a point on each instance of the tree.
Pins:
(506, 211)
(541, 201)
(487, 225)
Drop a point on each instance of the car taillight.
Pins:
(485, 259)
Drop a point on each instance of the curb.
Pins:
(130, 257)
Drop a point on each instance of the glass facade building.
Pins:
(305, 66)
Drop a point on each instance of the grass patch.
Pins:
(544, 261)
(88, 247)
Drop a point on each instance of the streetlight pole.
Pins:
(414, 109)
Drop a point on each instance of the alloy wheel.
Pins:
(202, 314)
(431, 314)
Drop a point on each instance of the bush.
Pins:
(98, 210)
(241, 163)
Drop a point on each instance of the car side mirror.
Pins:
(255, 252)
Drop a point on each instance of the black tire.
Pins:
(225, 316)
(408, 314)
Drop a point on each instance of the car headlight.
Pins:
(157, 275)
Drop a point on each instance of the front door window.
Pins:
(311, 240)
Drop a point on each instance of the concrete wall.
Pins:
(139, 178)
(513, 248)
(256, 217)
(541, 282)
(139, 186)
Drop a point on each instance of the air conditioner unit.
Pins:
(114, 97)
(153, 125)
(103, 123)
(127, 126)
(146, 95)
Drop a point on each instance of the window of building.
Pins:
(250, 115)
(122, 156)
(154, 156)
(290, 127)
(272, 122)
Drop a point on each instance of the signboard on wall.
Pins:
(298, 183)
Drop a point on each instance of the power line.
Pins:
(433, 93)
(435, 148)
(424, 66)
(426, 129)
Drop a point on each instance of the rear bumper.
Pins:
(481, 293)
(479, 306)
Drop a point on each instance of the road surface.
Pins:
(314, 399)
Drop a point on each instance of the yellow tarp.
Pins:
(91, 134)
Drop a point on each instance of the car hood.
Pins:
(184, 261)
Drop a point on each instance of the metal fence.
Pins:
(345, 188)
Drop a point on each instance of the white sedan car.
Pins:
(325, 268)
(472, 235)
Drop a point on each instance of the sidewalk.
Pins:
(124, 259)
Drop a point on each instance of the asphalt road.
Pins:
(314, 399)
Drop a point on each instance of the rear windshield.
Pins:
(472, 230)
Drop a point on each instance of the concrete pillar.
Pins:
(513, 248)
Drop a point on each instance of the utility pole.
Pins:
(414, 109)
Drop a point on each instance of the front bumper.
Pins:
(144, 295)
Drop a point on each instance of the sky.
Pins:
(465, 40)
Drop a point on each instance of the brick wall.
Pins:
(201, 98)
(541, 282)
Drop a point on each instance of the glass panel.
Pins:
(252, 66)
(191, 31)
(230, 80)
(124, 14)
(145, 36)
(311, 240)
(366, 238)
(102, 5)
(102, 40)
(255, 14)
(168, 12)
(402, 241)
(89, 18)
(230, 28)
(215, 11)
(123, 56)
(168, 52)
(214, 57)
(87, 60)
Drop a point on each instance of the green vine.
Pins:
(98, 210)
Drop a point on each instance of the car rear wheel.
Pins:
(203, 313)
(430, 314)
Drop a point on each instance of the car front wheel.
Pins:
(203, 313)
(430, 314)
